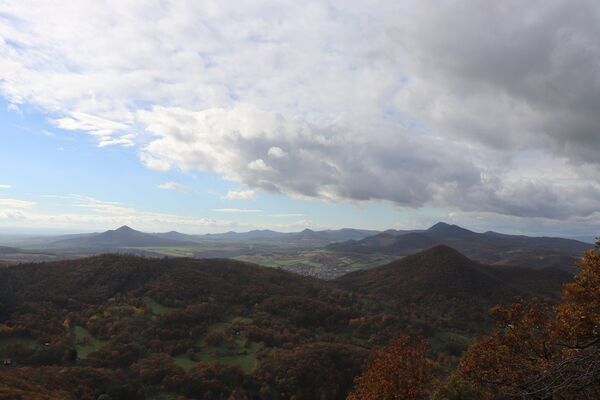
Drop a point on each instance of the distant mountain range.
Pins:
(489, 247)
(343, 244)
(306, 234)
(128, 237)
(118, 238)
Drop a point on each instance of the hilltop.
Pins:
(447, 286)
(121, 237)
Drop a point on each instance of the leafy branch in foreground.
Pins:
(543, 353)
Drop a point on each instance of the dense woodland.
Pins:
(128, 327)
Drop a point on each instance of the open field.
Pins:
(28, 342)
(156, 308)
(235, 352)
(85, 342)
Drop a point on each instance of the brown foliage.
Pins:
(398, 372)
(543, 353)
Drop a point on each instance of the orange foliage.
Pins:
(398, 372)
(579, 315)
(521, 349)
(542, 353)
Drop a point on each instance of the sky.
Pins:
(215, 116)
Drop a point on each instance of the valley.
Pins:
(322, 254)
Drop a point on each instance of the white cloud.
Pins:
(277, 152)
(15, 108)
(259, 165)
(17, 203)
(102, 128)
(101, 206)
(5, 186)
(90, 124)
(105, 207)
(235, 210)
(154, 163)
(240, 195)
(101, 215)
(142, 220)
(145, 221)
(175, 186)
(125, 140)
(451, 105)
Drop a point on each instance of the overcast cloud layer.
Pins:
(467, 105)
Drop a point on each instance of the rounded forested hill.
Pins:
(447, 286)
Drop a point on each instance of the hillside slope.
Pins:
(448, 286)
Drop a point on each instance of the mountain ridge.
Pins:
(489, 247)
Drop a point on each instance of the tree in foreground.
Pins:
(398, 372)
(543, 353)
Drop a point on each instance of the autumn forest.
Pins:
(431, 325)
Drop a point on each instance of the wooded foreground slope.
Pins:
(132, 327)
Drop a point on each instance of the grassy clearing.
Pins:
(217, 326)
(85, 342)
(243, 357)
(28, 342)
(184, 362)
(155, 308)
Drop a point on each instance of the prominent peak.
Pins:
(442, 228)
(306, 231)
(124, 228)
(439, 257)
